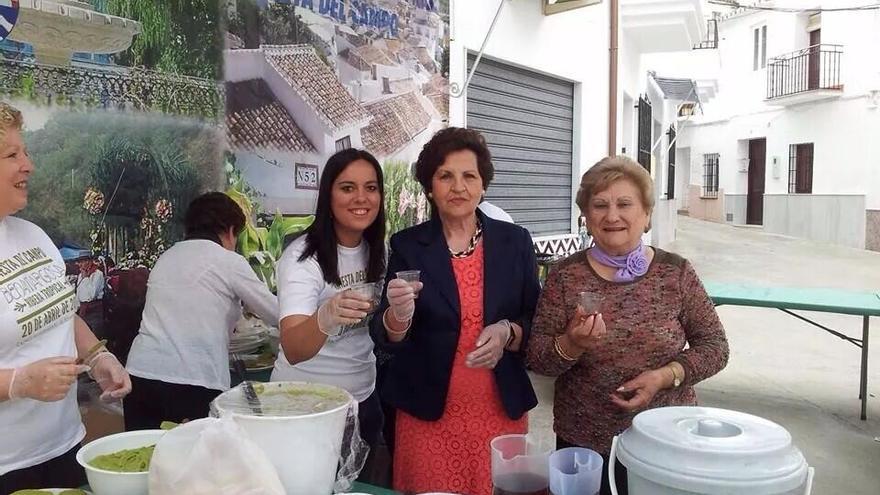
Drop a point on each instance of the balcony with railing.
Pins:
(711, 40)
(809, 74)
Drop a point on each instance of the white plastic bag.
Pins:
(211, 456)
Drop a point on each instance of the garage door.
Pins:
(526, 118)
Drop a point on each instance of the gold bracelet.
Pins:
(560, 351)
(99, 347)
(388, 328)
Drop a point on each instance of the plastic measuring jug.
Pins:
(575, 471)
(520, 466)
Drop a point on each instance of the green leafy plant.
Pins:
(405, 203)
(262, 245)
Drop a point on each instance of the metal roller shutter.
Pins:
(527, 119)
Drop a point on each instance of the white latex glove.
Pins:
(110, 375)
(490, 346)
(345, 308)
(401, 297)
(46, 380)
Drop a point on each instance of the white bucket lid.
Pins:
(708, 450)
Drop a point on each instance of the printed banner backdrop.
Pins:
(306, 78)
(134, 107)
(121, 105)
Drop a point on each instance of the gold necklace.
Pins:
(472, 246)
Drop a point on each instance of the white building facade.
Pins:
(790, 143)
(541, 96)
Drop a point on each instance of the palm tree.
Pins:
(133, 177)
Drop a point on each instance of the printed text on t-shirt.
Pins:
(35, 287)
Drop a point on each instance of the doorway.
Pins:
(757, 167)
(814, 61)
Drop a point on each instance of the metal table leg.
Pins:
(863, 384)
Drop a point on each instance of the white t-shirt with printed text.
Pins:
(347, 360)
(37, 306)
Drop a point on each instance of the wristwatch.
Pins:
(676, 380)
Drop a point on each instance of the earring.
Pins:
(431, 195)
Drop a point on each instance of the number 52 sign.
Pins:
(306, 176)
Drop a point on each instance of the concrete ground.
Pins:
(781, 368)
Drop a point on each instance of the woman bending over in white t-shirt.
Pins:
(324, 334)
(43, 343)
(179, 361)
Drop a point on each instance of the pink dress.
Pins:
(452, 454)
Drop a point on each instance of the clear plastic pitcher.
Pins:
(520, 466)
(575, 471)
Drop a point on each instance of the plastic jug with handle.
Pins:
(575, 471)
(520, 466)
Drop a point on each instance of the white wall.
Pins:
(631, 85)
(242, 65)
(391, 72)
(682, 174)
(572, 46)
(844, 133)
(718, 137)
(278, 182)
(837, 219)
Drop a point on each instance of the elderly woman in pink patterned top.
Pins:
(654, 335)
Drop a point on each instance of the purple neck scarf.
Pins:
(629, 266)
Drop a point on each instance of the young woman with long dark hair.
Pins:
(324, 326)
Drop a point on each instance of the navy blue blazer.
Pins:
(417, 378)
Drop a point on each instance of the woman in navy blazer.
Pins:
(457, 376)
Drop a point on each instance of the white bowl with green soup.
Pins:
(119, 464)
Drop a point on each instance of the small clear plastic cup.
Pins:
(590, 302)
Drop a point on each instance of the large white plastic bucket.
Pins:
(305, 449)
(700, 451)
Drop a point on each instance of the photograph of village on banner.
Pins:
(304, 79)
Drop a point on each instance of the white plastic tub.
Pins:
(701, 451)
(304, 448)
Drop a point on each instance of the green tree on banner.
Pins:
(180, 36)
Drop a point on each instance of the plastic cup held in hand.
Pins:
(411, 276)
(590, 302)
(575, 471)
(368, 291)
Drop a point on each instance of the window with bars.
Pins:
(800, 168)
(710, 175)
(644, 145)
(670, 171)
